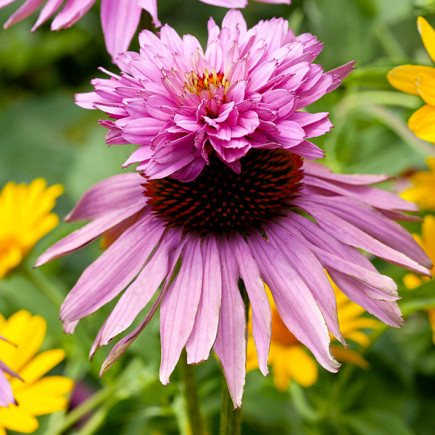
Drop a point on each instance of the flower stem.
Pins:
(231, 419)
(86, 407)
(50, 291)
(191, 396)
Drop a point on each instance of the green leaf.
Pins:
(418, 299)
(377, 422)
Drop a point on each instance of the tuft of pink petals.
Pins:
(119, 18)
(247, 89)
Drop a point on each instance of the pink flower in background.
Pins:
(119, 18)
(246, 91)
(281, 221)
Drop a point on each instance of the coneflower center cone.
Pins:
(220, 201)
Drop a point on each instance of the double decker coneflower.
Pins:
(226, 201)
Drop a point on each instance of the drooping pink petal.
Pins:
(113, 193)
(23, 12)
(230, 345)
(151, 7)
(119, 19)
(367, 229)
(311, 271)
(140, 292)
(294, 301)
(179, 307)
(207, 318)
(107, 276)
(47, 11)
(71, 13)
(87, 234)
(321, 171)
(261, 313)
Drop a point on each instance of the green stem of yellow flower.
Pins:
(86, 407)
(191, 396)
(50, 291)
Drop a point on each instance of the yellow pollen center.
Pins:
(207, 82)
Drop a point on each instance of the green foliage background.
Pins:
(44, 134)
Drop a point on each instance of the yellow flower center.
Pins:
(208, 83)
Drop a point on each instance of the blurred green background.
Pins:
(44, 134)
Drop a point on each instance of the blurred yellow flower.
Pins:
(35, 394)
(24, 219)
(291, 360)
(419, 80)
(422, 191)
(427, 242)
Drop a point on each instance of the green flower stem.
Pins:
(191, 396)
(86, 407)
(231, 419)
(50, 291)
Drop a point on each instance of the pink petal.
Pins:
(119, 19)
(107, 276)
(71, 13)
(23, 12)
(207, 318)
(140, 292)
(261, 313)
(318, 170)
(113, 193)
(125, 343)
(367, 229)
(387, 311)
(311, 271)
(294, 301)
(151, 7)
(179, 307)
(85, 235)
(230, 345)
(47, 11)
(375, 197)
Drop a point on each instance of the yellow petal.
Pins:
(281, 378)
(45, 396)
(41, 364)
(422, 123)
(358, 337)
(405, 78)
(14, 418)
(427, 35)
(426, 88)
(411, 281)
(301, 367)
(346, 355)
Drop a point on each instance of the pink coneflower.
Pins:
(119, 18)
(223, 227)
(226, 203)
(246, 91)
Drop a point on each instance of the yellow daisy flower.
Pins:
(35, 395)
(427, 242)
(24, 219)
(290, 359)
(419, 80)
(422, 191)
